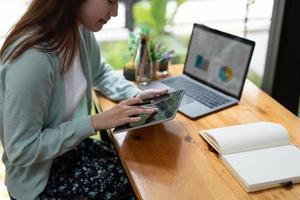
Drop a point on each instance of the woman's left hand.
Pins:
(146, 94)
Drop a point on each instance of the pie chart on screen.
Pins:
(225, 73)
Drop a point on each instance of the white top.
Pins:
(75, 87)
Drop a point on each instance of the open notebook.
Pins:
(259, 154)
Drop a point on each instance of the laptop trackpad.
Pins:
(186, 100)
(193, 109)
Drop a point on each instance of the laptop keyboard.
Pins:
(197, 92)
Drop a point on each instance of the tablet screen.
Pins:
(167, 106)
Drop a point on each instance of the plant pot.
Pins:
(129, 74)
(162, 68)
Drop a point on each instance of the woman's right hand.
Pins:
(122, 113)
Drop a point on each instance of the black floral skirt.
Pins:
(92, 170)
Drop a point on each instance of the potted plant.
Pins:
(129, 68)
(161, 57)
(159, 53)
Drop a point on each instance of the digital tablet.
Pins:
(167, 106)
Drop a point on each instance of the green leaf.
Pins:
(115, 53)
(179, 2)
(172, 42)
(142, 14)
(158, 12)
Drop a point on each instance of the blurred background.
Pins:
(250, 19)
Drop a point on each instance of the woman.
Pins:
(49, 62)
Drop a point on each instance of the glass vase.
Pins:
(143, 62)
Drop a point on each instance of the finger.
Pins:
(140, 111)
(133, 119)
(162, 91)
(132, 101)
(149, 93)
(155, 109)
(155, 92)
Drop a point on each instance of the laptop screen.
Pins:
(218, 59)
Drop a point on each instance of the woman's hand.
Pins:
(122, 113)
(146, 94)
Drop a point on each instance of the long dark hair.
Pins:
(48, 25)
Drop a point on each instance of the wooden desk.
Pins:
(171, 161)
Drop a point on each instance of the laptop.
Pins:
(214, 73)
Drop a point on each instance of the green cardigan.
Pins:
(32, 100)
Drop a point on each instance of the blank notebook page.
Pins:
(266, 165)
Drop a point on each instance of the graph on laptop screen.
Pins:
(222, 63)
